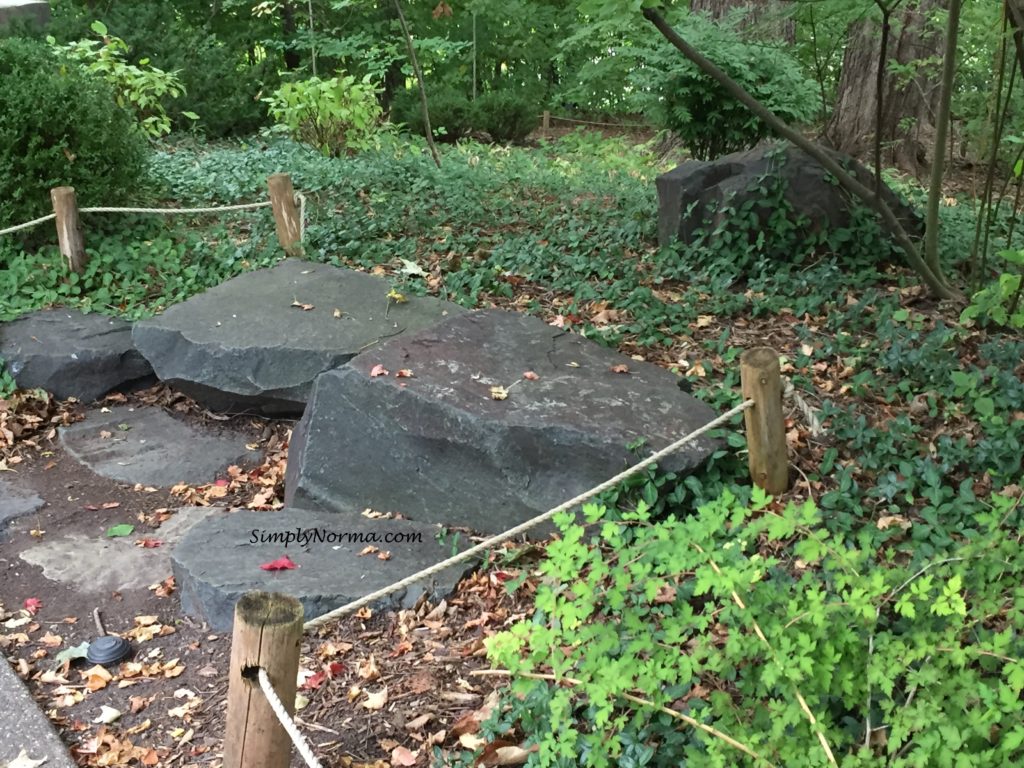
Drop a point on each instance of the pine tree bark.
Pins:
(909, 103)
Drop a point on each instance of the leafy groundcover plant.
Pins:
(749, 635)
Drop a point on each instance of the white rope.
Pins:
(28, 224)
(493, 541)
(211, 209)
(302, 216)
(809, 414)
(286, 721)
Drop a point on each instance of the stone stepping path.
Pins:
(16, 502)
(102, 564)
(438, 447)
(71, 354)
(219, 560)
(258, 340)
(148, 446)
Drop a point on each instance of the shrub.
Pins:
(451, 113)
(507, 116)
(60, 126)
(709, 121)
(336, 116)
(142, 88)
(733, 618)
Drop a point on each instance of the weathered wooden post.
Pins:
(286, 215)
(761, 381)
(69, 227)
(546, 122)
(267, 634)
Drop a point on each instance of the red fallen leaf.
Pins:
(315, 681)
(222, 482)
(405, 373)
(530, 376)
(378, 370)
(111, 504)
(148, 543)
(335, 668)
(620, 368)
(32, 604)
(281, 564)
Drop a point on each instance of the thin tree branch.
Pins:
(419, 81)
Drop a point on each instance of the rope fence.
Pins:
(271, 637)
(290, 221)
(547, 117)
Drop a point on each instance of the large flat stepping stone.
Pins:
(438, 447)
(219, 560)
(71, 354)
(101, 564)
(16, 502)
(258, 340)
(148, 446)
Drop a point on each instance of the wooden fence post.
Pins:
(286, 215)
(69, 228)
(546, 122)
(267, 634)
(761, 381)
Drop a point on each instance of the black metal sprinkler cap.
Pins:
(108, 650)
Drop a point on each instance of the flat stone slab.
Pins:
(148, 446)
(16, 502)
(219, 560)
(71, 354)
(437, 447)
(258, 340)
(101, 564)
(24, 727)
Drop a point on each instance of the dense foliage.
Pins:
(59, 126)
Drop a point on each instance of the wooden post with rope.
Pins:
(267, 634)
(69, 228)
(546, 122)
(286, 215)
(761, 381)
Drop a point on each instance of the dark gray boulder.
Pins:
(437, 448)
(692, 196)
(71, 354)
(219, 558)
(245, 345)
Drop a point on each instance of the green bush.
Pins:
(709, 121)
(507, 116)
(336, 116)
(60, 126)
(734, 618)
(451, 113)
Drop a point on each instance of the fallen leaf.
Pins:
(281, 564)
(117, 531)
(51, 640)
(703, 321)
(148, 543)
(402, 756)
(378, 370)
(70, 654)
(620, 368)
(411, 268)
(96, 678)
(471, 741)
(530, 376)
(367, 669)
(337, 313)
(499, 393)
(376, 700)
(107, 715)
(395, 296)
(32, 605)
(24, 761)
(303, 307)
(887, 521)
(404, 373)
(110, 505)
(301, 702)
(417, 723)
(558, 322)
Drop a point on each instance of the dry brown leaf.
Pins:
(376, 700)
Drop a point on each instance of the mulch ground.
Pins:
(377, 689)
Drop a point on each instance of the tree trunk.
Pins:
(909, 103)
(766, 19)
(292, 60)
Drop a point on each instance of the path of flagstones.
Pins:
(411, 417)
